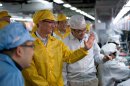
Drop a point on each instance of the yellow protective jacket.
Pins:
(3, 24)
(46, 67)
(62, 36)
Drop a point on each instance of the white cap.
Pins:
(115, 38)
(109, 48)
(77, 22)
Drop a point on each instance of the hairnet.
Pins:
(109, 48)
(4, 14)
(77, 22)
(61, 17)
(43, 15)
(3, 24)
(14, 35)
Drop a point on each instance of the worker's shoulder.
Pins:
(6, 67)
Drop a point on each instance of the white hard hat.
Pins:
(77, 22)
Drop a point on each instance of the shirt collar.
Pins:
(39, 36)
(72, 37)
(44, 40)
(18, 66)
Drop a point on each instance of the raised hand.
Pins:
(89, 43)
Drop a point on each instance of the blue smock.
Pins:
(10, 75)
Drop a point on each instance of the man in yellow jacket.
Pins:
(4, 18)
(62, 30)
(50, 53)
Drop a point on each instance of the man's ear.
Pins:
(19, 51)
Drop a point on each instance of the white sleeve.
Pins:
(119, 72)
(98, 57)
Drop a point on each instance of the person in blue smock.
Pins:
(16, 52)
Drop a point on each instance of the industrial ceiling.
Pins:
(102, 10)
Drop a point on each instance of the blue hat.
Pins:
(14, 35)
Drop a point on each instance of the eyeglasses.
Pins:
(31, 46)
(79, 31)
(114, 53)
(49, 21)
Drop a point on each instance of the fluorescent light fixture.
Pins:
(67, 5)
(82, 12)
(78, 10)
(89, 16)
(122, 12)
(43, 1)
(73, 8)
(1, 4)
(127, 4)
(58, 1)
(21, 19)
(85, 14)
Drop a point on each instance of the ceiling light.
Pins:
(78, 10)
(85, 14)
(22, 19)
(89, 16)
(1, 4)
(58, 1)
(82, 12)
(67, 5)
(128, 3)
(122, 12)
(43, 1)
(73, 8)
